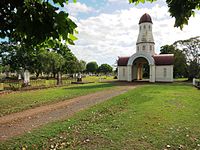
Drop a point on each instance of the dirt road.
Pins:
(19, 123)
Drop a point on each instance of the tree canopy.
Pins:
(182, 10)
(92, 67)
(187, 57)
(34, 21)
(105, 68)
(49, 59)
(191, 49)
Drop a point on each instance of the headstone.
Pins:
(79, 78)
(193, 82)
(19, 76)
(26, 77)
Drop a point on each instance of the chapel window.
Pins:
(165, 72)
(150, 47)
(143, 47)
(149, 27)
(138, 48)
(144, 27)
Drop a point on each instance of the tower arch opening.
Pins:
(140, 69)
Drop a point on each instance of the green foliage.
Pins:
(51, 56)
(191, 49)
(105, 68)
(182, 10)
(82, 65)
(32, 26)
(1, 68)
(140, 1)
(92, 67)
(34, 21)
(149, 117)
(193, 70)
(146, 70)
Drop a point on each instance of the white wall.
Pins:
(164, 73)
(145, 38)
(122, 73)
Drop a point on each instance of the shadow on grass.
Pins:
(96, 86)
(124, 83)
(179, 83)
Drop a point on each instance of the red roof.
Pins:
(145, 18)
(164, 59)
(123, 61)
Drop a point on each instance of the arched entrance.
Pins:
(140, 69)
(136, 67)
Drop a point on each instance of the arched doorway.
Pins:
(137, 64)
(140, 69)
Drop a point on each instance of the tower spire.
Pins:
(145, 42)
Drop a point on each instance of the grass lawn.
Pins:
(16, 102)
(181, 79)
(150, 117)
(17, 84)
(98, 78)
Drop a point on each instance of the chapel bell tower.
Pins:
(145, 41)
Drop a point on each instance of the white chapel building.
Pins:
(145, 62)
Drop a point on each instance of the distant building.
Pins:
(145, 62)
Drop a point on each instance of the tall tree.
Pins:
(82, 65)
(31, 23)
(180, 64)
(182, 10)
(191, 49)
(105, 68)
(55, 58)
(92, 67)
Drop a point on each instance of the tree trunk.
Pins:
(54, 75)
(59, 78)
(7, 74)
(37, 74)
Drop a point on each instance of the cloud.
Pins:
(108, 35)
(75, 8)
(118, 1)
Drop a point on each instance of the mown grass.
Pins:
(19, 101)
(181, 79)
(16, 85)
(98, 78)
(149, 117)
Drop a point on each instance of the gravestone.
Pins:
(19, 76)
(79, 78)
(26, 77)
(19, 73)
(193, 81)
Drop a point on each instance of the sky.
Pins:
(109, 28)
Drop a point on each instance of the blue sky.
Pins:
(109, 28)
